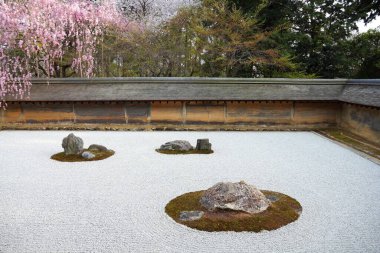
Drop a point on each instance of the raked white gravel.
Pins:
(117, 205)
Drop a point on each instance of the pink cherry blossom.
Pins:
(35, 35)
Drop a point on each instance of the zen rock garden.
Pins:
(143, 201)
(234, 207)
(184, 147)
(74, 151)
(225, 206)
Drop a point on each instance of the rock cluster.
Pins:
(235, 196)
(181, 145)
(178, 145)
(72, 145)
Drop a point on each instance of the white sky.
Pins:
(374, 24)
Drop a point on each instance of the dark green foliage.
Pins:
(370, 67)
(315, 34)
(365, 54)
(258, 38)
(367, 10)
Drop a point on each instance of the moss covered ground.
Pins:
(99, 155)
(352, 141)
(280, 213)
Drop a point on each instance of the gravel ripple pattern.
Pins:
(117, 205)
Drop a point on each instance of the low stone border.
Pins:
(354, 142)
(282, 211)
(158, 127)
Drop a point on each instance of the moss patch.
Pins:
(181, 152)
(99, 155)
(280, 213)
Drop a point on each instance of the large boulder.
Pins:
(72, 145)
(177, 145)
(235, 196)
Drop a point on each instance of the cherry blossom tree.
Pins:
(152, 12)
(43, 38)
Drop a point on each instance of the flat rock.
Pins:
(88, 155)
(97, 147)
(72, 145)
(191, 215)
(179, 145)
(235, 196)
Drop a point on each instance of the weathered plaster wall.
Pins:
(361, 120)
(276, 104)
(281, 114)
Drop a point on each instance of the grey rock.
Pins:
(190, 215)
(203, 144)
(72, 145)
(235, 196)
(272, 198)
(177, 145)
(88, 155)
(97, 147)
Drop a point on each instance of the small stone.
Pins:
(234, 196)
(203, 144)
(177, 145)
(88, 155)
(97, 147)
(72, 145)
(190, 215)
(272, 198)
